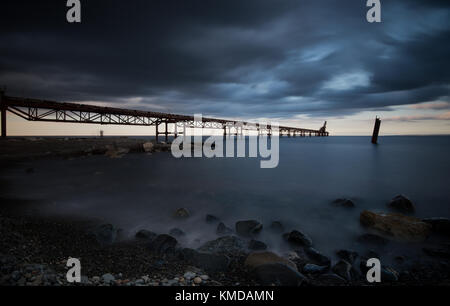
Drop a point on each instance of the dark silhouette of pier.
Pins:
(52, 111)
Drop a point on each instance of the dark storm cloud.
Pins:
(229, 58)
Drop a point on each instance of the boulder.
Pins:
(343, 268)
(278, 274)
(225, 244)
(439, 225)
(222, 229)
(248, 228)
(317, 257)
(211, 219)
(176, 232)
(145, 234)
(347, 255)
(314, 269)
(396, 225)
(298, 238)
(343, 203)
(256, 245)
(148, 146)
(256, 259)
(106, 233)
(277, 227)
(163, 244)
(402, 204)
(181, 213)
(209, 262)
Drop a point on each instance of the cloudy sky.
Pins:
(298, 62)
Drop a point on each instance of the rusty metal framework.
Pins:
(51, 111)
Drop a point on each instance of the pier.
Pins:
(52, 111)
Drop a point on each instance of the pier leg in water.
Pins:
(376, 130)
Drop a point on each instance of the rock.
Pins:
(248, 228)
(211, 219)
(197, 280)
(278, 274)
(343, 203)
(148, 146)
(115, 152)
(277, 227)
(402, 204)
(439, 225)
(145, 234)
(189, 275)
(176, 232)
(396, 225)
(209, 262)
(222, 229)
(106, 234)
(317, 257)
(298, 238)
(372, 239)
(204, 277)
(257, 245)
(225, 244)
(314, 269)
(163, 244)
(342, 268)
(108, 278)
(347, 255)
(181, 213)
(389, 275)
(331, 279)
(256, 259)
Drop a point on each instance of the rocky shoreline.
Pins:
(34, 250)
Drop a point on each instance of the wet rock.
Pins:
(402, 204)
(276, 227)
(347, 255)
(222, 229)
(209, 262)
(298, 238)
(197, 280)
(211, 219)
(331, 279)
(225, 244)
(256, 259)
(389, 275)
(145, 234)
(343, 203)
(314, 269)
(278, 274)
(181, 213)
(396, 225)
(176, 232)
(372, 239)
(108, 278)
(439, 225)
(148, 146)
(163, 244)
(106, 234)
(116, 152)
(248, 228)
(343, 268)
(317, 257)
(257, 245)
(189, 275)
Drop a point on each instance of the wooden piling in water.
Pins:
(376, 130)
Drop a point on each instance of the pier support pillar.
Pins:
(3, 108)
(166, 132)
(157, 132)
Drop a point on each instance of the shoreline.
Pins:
(34, 249)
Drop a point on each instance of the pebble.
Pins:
(204, 277)
(197, 280)
(189, 275)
